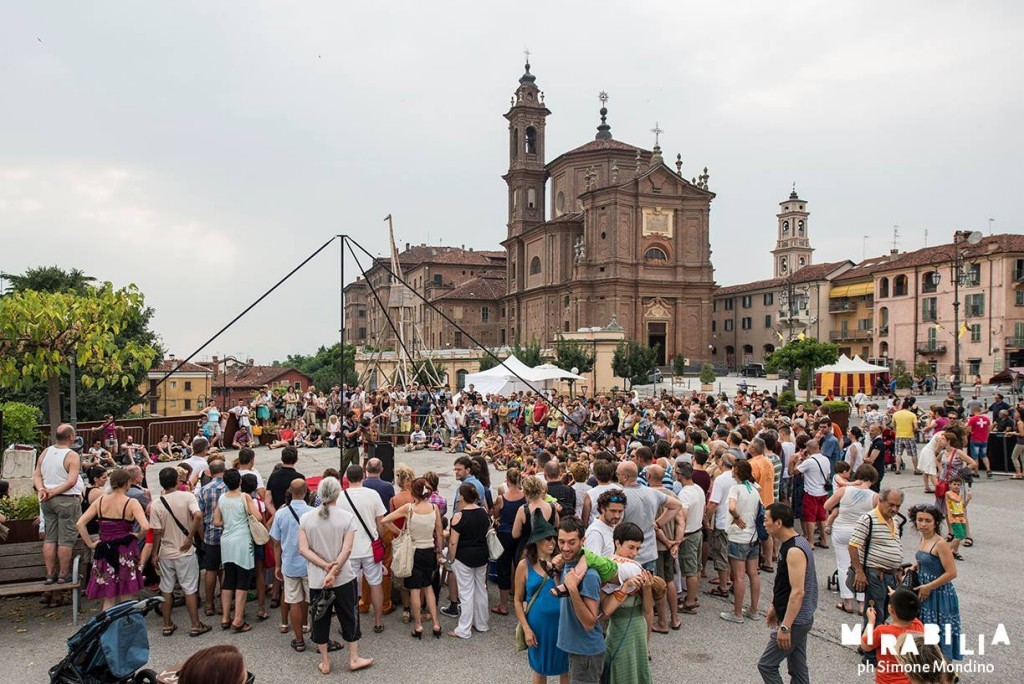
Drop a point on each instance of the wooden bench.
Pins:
(22, 572)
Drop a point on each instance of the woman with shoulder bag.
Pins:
(237, 551)
(467, 550)
(537, 609)
(423, 521)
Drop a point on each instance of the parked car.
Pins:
(753, 370)
(654, 376)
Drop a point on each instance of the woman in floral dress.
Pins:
(116, 570)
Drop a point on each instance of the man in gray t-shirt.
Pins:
(642, 504)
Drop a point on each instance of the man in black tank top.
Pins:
(794, 600)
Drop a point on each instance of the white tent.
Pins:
(502, 378)
(546, 375)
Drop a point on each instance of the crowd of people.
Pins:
(599, 538)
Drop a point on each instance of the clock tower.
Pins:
(792, 246)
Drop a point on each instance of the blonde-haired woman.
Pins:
(404, 477)
(534, 489)
(506, 508)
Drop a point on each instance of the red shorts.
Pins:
(814, 508)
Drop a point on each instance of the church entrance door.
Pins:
(657, 335)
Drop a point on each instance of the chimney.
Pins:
(894, 251)
(406, 246)
(250, 362)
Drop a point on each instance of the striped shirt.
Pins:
(885, 550)
(777, 465)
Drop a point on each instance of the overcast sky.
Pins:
(202, 150)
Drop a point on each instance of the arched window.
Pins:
(534, 265)
(928, 283)
(515, 143)
(800, 228)
(883, 321)
(560, 203)
(802, 262)
(460, 378)
(883, 288)
(883, 349)
(729, 349)
(783, 265)
(899, 286)
(768, 349)
(748, 349)
(655, 254)
(531, 198)
(531, 140)
(785, 227)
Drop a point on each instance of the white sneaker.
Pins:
(731, 617)
(753, 615)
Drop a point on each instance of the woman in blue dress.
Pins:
(936, 570)
(540, 622)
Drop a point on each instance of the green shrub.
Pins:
(679, 365)
(707, 374)
(25, 507)
(837, 407)
(20, 421)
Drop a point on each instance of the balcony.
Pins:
(845, 335)
(841, 305)
(1015, 342)
(931, 348)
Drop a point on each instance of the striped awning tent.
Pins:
(848, 376)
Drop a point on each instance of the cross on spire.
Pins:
(603, 97)
(657, 132)
(526, 53)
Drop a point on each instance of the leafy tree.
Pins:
(922, 370)
(806, 355)
(19, 423)
(487, 362)
(530, 354)
(707, 374)
(633, 361)
(571, 354)
(679, 365)
(40, 332)
(899, 373)
(92, 402)
(324, 366)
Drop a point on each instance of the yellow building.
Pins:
(186, 392)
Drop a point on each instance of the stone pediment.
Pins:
(661, 180)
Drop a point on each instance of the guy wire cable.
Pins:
(234, 320)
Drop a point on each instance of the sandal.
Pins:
(200, 630)
(840, 606)
(225, 625)
(719, 592)
(244, 627)
(677, 626)
(688, 609)
(498, 610)
(283, 629)
(958, 556)
(168, 631)
(333, 646)
(209, 612)
(298, 645)
(378, 629)
(262, 615)
(968, 542)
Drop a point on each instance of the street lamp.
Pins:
(959, 277)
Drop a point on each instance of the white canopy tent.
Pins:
(502, 378)
(546, 375)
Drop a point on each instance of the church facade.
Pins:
(604, 232)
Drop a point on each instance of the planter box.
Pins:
(22, 531)
(707, 388)
(772, 376)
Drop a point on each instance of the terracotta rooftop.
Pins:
(167, 365)
(443, 254)
(477, 289)
(253, 377)
(806, 274)
(865, 269)
(992, 244)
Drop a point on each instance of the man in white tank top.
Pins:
(60, 488)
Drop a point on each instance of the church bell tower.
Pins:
(526, 174)
(792, 246)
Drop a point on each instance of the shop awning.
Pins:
(855, 290)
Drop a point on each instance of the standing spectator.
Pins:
(718, 520)
(642, 510)
(467, 551)
(579, 632)
(56, 479)
(876, 455)
(326, 539)
(829, 444)
(627, 656)
(368, 509)
(876, 572)
(669, 535)
(846, 506)
(817, 472)
(281, 479)
(505, 509)
(211, 429)
(290, 566)
(599, 536)
(372, 480)
(936, 570)
(764, 475)
(198, 462)
(116, 570)
(979, 425)
(744, 547)
(905, 423)
(563, 493)
(236, 550)
(351, 434)
(794, 600)
(540, 623)
(175, 521)
(208, 496)
(604, 474)
(693, 500)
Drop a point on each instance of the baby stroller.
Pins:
(110, 648)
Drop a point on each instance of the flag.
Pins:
(963, 330)
(779, 335)
(801, 336)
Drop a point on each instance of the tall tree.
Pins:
(530, 354)
(571, 354)
(93, 402)
(487, 362)
(805, 354)
(41, 332)
(633, 362)
(324, 366)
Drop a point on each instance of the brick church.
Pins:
(604, 232)
(619, 236)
